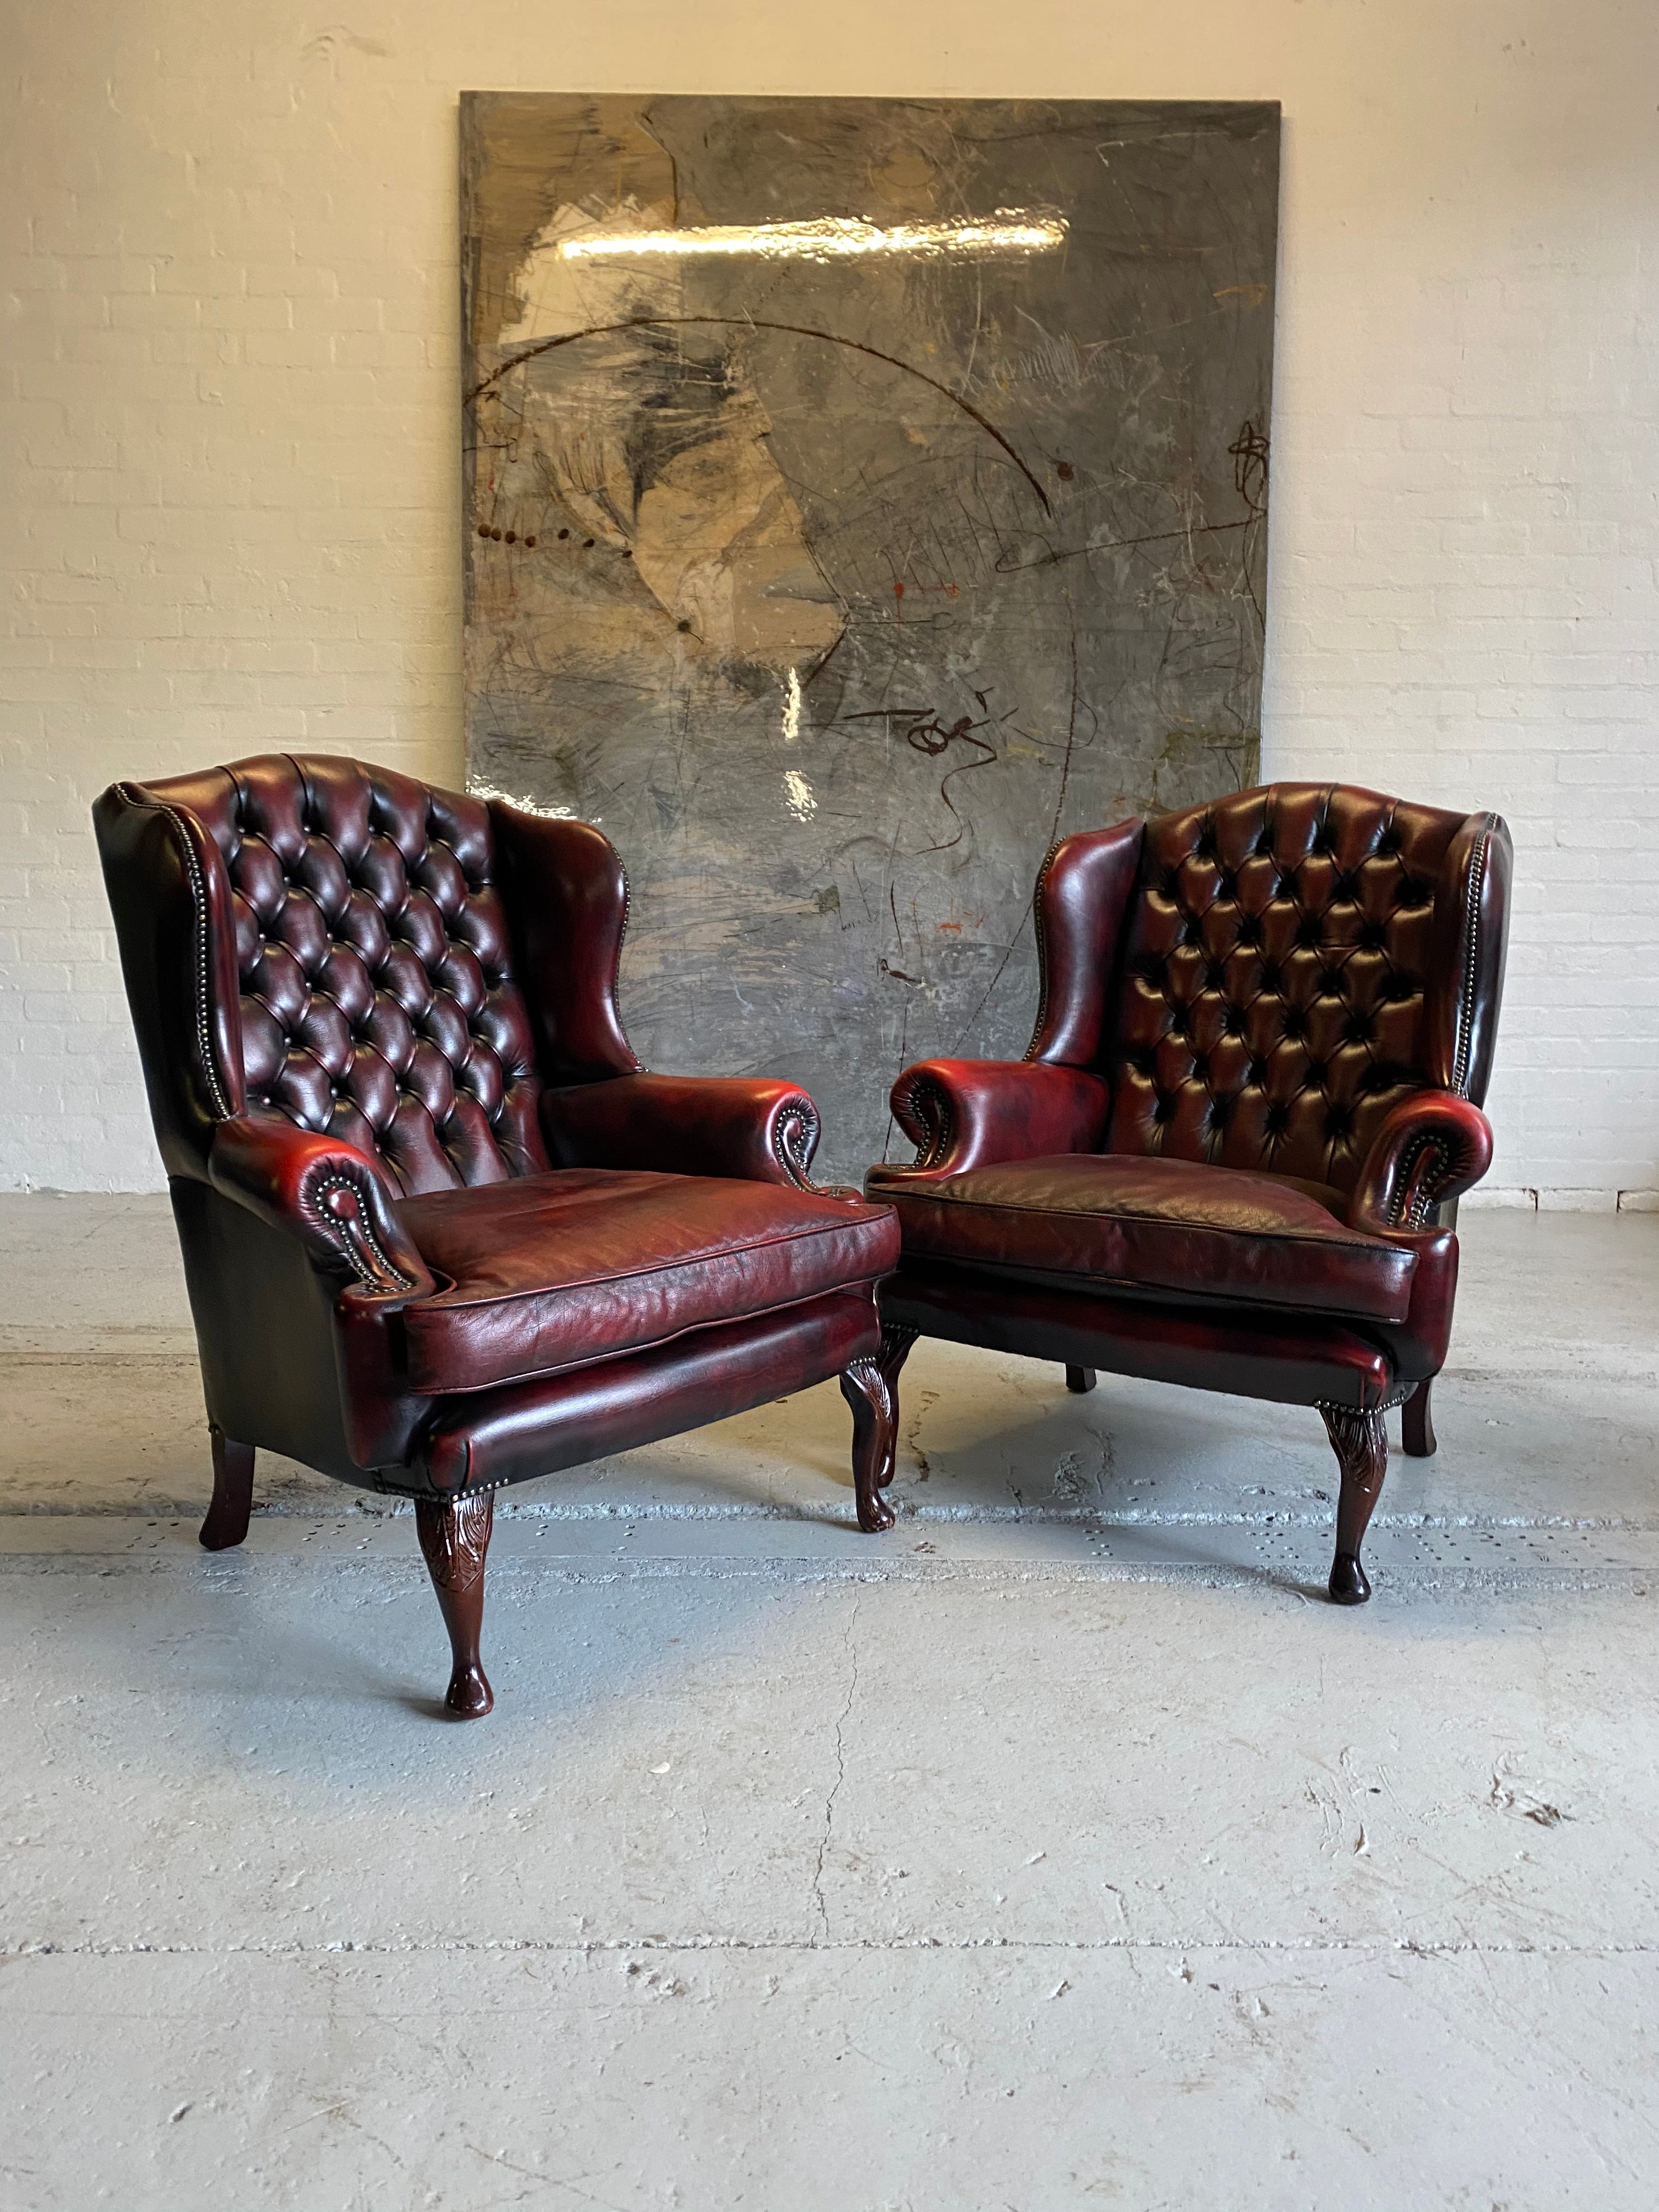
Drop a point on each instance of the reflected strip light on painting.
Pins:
(832, 238)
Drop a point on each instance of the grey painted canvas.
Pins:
(860, 493)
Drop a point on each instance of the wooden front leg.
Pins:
(870, 1386)
(455, 1537)
(1360, 1441)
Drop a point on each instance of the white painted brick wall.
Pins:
(231, 477)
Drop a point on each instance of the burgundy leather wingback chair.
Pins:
(1265, 1032)
(441, 1230)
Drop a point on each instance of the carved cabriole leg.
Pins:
(1080, 1380)
(1360, 1441)
(865, 1389)
(870, 1387)
(455, 1537)
(1416, 1423)
(232, 1493)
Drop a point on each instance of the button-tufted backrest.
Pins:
(373, 963)
(1293, 961)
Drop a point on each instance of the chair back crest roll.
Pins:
(1294, 961)
(374, 991)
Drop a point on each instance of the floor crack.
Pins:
(840, 1776)
(599, 1947)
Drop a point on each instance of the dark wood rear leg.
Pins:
(232, 1493)
(1360, 1441)
(870, 1387)
(1416, 1423)
(1080, 1380)
(455, 1537)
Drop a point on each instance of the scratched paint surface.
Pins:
(835, 580)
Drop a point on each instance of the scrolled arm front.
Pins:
(325, 1193)
(1431, 1148)
(962, 1114)
(754, 1128)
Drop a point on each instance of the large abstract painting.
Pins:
(860, 493)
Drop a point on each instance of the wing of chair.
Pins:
(441, 1232)
(1253, 1094)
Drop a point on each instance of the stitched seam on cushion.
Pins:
(1132, 1285)
(1150, 1220)
(655, 1343)
(1465, 1005)
(198, 899)
(632, 1275)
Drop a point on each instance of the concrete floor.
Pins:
(1061, 1849)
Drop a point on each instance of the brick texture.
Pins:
(229, 440)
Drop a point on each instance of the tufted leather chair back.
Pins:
(1292, 962)
(341, 960)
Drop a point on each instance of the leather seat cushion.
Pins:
(1118, 1221)
(550, 1271)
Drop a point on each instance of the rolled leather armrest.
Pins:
(965, 1114)
(1430, 1148)
(330, 1196)
(751, 1128)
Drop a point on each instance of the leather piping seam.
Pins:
(1030, 1051)
(666, 1266)
(1471, 949)
(1363, 1242)
(599, 1359)
(198, 901)
(343, 1236)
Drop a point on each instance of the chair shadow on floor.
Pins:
(1031, 1461)
(286, 1642)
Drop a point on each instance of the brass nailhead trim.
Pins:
(1466, 1008)
(198, 899)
